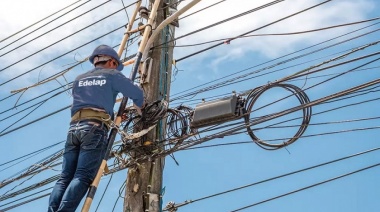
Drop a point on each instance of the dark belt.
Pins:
(85, 114)
(75, 125)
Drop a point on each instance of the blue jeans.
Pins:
(84, 150)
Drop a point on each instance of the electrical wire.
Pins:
(308, 187)
(59, 40)
(30, 70)
(200, 10)
(287, 60)
(347, 130)
(229, 81)
(27, 156)
(283, 34)
(101, 198)
(96, 7)
(246, 33)
(34, 121)
(4, 39)
(225, 20)
(274, 178)
(26, 197)
(37, 104)
(25, 202)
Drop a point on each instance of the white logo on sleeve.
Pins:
(92, 82)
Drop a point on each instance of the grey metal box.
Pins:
(214, 112)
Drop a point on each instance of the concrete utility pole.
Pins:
(144, 181)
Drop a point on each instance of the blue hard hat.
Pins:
(106, 50)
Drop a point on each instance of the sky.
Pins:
(207, 171)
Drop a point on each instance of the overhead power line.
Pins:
(224, 21)
(35, 152)
(43, 117)
(229, 81)
(246, 33)
(60, 40)
(282, 34)
(98, 6)
(40, 28)
(39, 21)
(59, 56)
(202, 9)
(273, 178)
(25, 202)
(292, 53)
(308, 187)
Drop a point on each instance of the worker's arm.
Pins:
(128, 89)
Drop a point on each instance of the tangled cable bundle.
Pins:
(151, 114)
(253, 97)
(137, 126)
(178, 122)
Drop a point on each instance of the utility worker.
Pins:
(94, 95)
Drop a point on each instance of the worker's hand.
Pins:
(138, 109)
(124, 117)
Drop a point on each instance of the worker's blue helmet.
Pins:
(108, 51)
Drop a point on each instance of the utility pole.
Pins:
(144, 181)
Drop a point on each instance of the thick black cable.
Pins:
(303, 99)
(40, 28)
(39, 21)
(274, 22)
(308, 187)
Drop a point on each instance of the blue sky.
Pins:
(206, 171)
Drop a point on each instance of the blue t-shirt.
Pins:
(99, 87)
